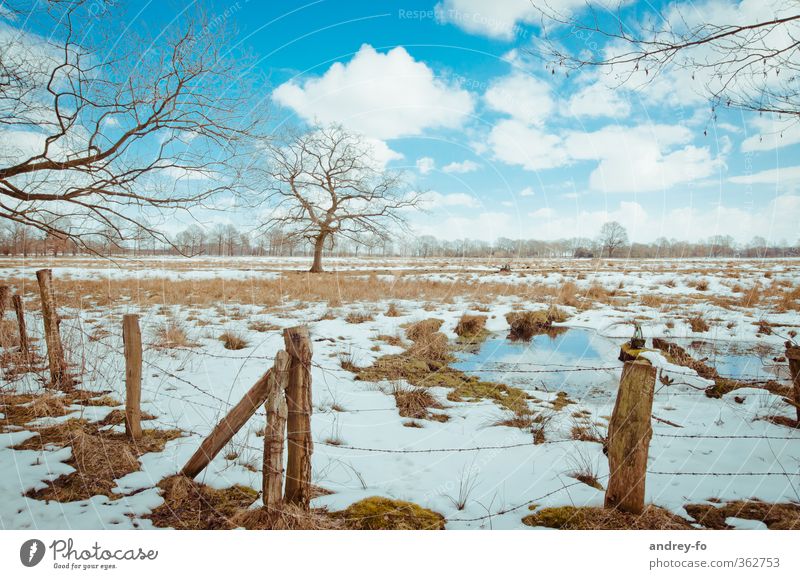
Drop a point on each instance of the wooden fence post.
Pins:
(5, 292)
(24, 346)
(132, 343)
(793, 355)
(629, 433)
(298, 399)
(55, 351)
(236, 418)
(275, 434)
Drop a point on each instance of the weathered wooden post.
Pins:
(793, 355)
(24, 345)
(5, 292)
(274, 435)
(132, 343)
(298, 399)
(237, 417)
(55, 351)
(629, 433)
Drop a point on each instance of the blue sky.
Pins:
(449, 92)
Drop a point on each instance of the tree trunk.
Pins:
(319, 245)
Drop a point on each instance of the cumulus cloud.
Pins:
(501, 19)
(462, 167)
(771, 133)
(597, 100)
(383, 95)
(436, 200)
(785, 178)
(523, 97)
(425, 165)
(516, 143)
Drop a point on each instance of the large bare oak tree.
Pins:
(326, 183)
(106, 133)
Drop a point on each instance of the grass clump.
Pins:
(393, 311)
(358, 317)
(381, 513)
(172, 334)
(595, 518)
(414, 402)
(776, 516)
(423, 328)
(525, 324)
(698, 323)
(262, 326)
(471, 326)
(233, 341)
(192, 505)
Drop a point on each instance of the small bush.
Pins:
(233, 341)
(172, 335)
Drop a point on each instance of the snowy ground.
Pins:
(721, 451)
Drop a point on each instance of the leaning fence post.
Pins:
(24, 346)
(55, 351)
(629, 433)
(234, 420)
(298, 399)
(275, 433)
(132, 343)
(793, 355)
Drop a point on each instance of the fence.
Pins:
(285, 392)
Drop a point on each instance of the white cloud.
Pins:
(523, 97)
(484, 226)
(543, 213)
(641, 158)
(425, 165)
(785, 177)
(501, 18)
(597, 100)
(434, 200)
(515, 143)
(771, 133)
(527, 192)
(383, 95)
(462, 167)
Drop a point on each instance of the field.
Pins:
(489, 432)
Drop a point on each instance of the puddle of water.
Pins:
(739, 361)
(520, 363)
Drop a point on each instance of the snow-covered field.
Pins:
(702, 448)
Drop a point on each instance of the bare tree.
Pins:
(749, 62)
(327, 183)
(110, 129)
(612, 236)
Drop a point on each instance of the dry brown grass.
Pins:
(393, 311)
(525, 324)
(172, 334)
(232, 340)
(98, 457)
(470, 326)
(287, 518)
(777, 516)
(595, 518)
(260, 326)
(422, 328)
(359, 317)
(192, 505)
(415, 402)
(698, 323)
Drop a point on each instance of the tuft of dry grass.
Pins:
(417, 330)
(192, 505)
(414, 402)
(359, 317)
(288, 518)
(233, 340)
(261, 326)
(595, 518)
(393, 311)
(172, 334)
(470, 326)
(698, 323)
(777, 516)
(381, 513)
(525, 324)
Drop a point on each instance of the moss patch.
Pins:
(381, 513)
(593, 518)
(785, 516)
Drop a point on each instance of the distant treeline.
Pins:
(228, 240)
